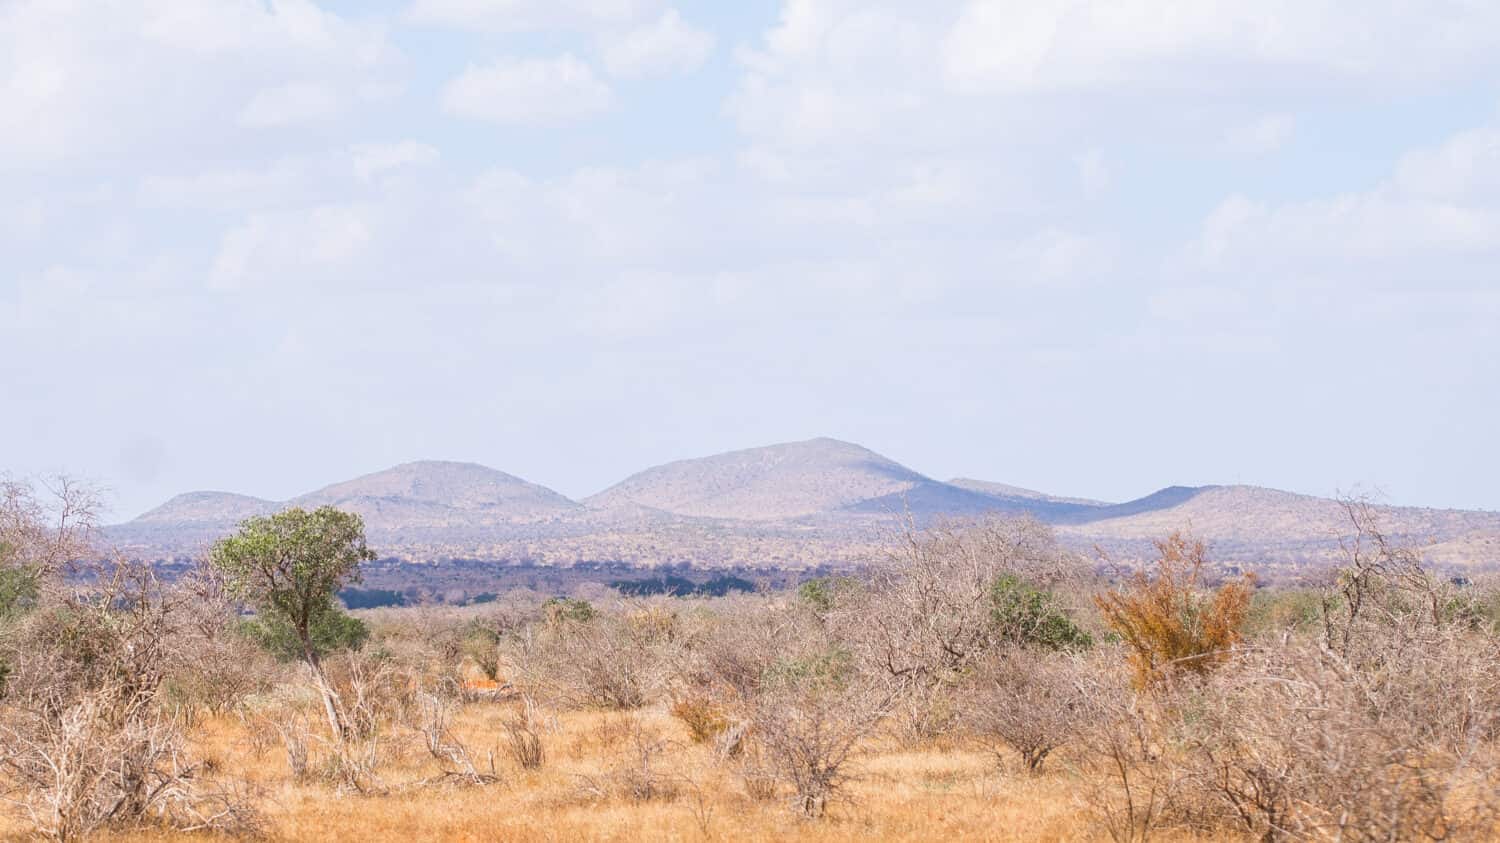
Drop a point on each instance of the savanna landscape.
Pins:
(976, 680)
(701, 421)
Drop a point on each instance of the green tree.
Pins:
(19, 584)
(289, 566)
(332, 631)
(1025, 614)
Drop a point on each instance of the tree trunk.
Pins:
(331, 706)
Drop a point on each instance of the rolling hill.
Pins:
(440, 494)
(776, 482)
(797, 504)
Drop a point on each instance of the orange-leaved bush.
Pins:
(1170, 623)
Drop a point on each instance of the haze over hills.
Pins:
(798, 504)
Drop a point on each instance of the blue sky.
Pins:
(1093, 248)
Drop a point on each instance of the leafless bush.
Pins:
(808, 735)
(1299, 743)
(294, 734)
(371, 690)
(1130, 783)
(459, 766)
(523, 736)
(929, 612)
(85, 741)
(615, 661)
(48, 532)
(638, 777)
(1381, 593)
(1030, 702)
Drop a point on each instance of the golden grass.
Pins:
(936, 793)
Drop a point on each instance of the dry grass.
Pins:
(935, 793)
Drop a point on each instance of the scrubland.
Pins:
(975, 682)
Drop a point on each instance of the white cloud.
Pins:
(231, 188)
(1093, 173)
(997, 45)
(533, 92)
(1438, 210)
(1260, 137)
(668, 45)
(1466, 166)
(292, 103)
(312, 244)
(529, 15)
(149, 70)
(372, 159)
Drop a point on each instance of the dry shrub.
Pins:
(789, 702)
(523, 734)
(1030, 702)
(639, 776)
(706, 719)
(928, 613)
(1130, 782)
(1169, 624)
(807, 735)
(1382, 727)
(1295, 743)
(85, 741)
(604, 661)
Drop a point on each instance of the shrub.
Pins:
(568, 609)
(1030, 702)
(1027, 615)
(1168, 623)
(331, 630)
(480, 644)
(821, 593)
(705, 718)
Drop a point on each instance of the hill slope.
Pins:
(798, 504)
(439, 494)
(207, 508)
(776, 482)
(1009, 492)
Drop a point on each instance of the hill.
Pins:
(1007, 491)
(790, 480)
(1254, 524)
(207, 508)
(440, 494)
(793, 505)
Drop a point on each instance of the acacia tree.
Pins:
(289, 566)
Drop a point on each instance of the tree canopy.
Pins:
(289, 566)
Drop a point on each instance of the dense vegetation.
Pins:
(1170, 700)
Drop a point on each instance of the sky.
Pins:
(1092, 248)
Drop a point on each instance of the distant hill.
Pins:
(776, 482)
(1004, 490)
(1252, 514)
(440, 494)
(798, 504)
(207, 508)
